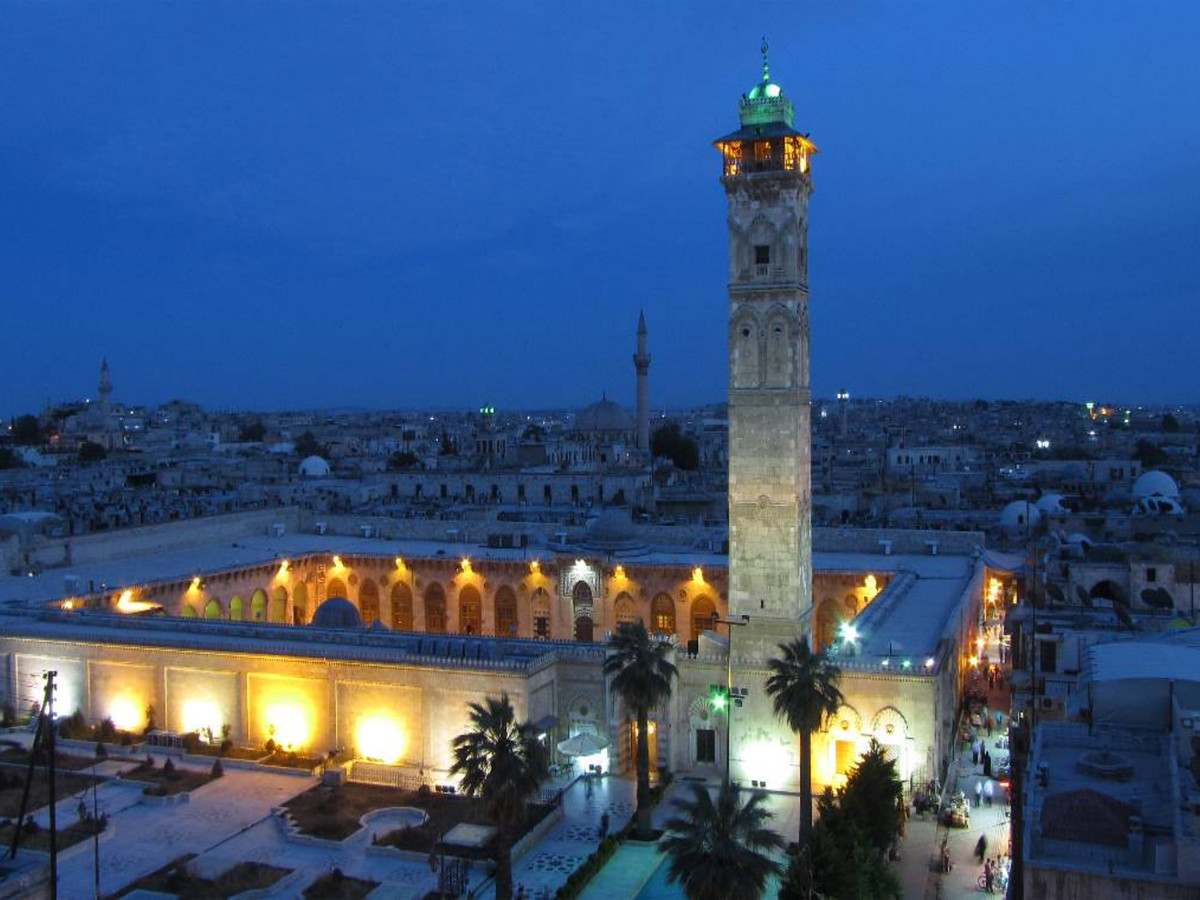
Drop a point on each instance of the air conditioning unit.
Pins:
(320, 526)
(277, 529)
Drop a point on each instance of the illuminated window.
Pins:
(662, 615)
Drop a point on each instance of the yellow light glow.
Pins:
(974, 660)
(870, 587)
(195, 586)
(580, 564)
(620, 572)
(698, 575)
(979, 644)
(68, 604)
(337, 564)
(125, 713)
(283, 570)
(399, 563)
(379, 738)
(535, 567)
(287, 723)
(466, 566)
(201, 715)
(126, 604)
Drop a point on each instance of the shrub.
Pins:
(148, 763)
(151, 719)
(226, 746)
(9, 717)
(217, 769)
(101, 750)
(169, 770)
(270, 746)
(74, 727)
(126, 739)
(107, 730)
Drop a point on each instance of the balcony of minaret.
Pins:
(785, 153)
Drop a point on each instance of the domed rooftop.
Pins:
(337, 612)
(613, 533)
(314, 467)
(765, 90)
(1018, 514)
(1051, 504)
(603, 415)
(1156, 484)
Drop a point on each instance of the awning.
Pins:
(545, 723)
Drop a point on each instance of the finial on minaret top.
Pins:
(641, 322)
(105, 383)
(766, 67)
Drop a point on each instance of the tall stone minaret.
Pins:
(641, 362)
(844, 411)
(767, 178)
(105, 392)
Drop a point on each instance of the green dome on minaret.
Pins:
(765, 103)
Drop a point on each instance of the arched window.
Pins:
(300, 603)
(541, 614)
(279, 597)
(188, 611)
(258, 605)
(335, 587)
(368, 601)
(745, 353)
(581, 603)
(435, 609)
(703, 613)
(470, 611)
(236, 609)
(662, 614)
(402, 607)
(212, 609)
(625, 609)
(506, 612)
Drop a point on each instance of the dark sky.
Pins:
(405, 205)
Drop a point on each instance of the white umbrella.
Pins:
(582, 745)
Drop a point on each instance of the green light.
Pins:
(719, 698)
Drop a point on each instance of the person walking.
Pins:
(981, 847)
(987, 764)
(989, 790)
(987, 876)
(978, 793)
(974, 752)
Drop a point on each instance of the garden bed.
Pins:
(334, 813)
(251, 754)
(283, 760)
(167, 782)
(65, 784)
(40, 839)
(20, 756)
(336, 886)
(174, 878)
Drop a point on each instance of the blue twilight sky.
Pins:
(281, 205)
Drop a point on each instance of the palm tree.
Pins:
(502, 762)
(719, 851)
(641, 677)
(804, 686)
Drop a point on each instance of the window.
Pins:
(1151, 574)
(762, 254)
(541, 627)
(706, 745)
(1049, 660)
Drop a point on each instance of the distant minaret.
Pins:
(105, 391)
(641, 362)
(844, 403)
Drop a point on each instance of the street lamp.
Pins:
(726, 702)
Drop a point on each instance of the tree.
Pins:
(1169, 423)
(1149, 454)
(9, 459)
(502, 762)
(403, 459)
(720, 851)
(307, 445)
(446, 445)
(252, 433)
(804, 688)
(26, 431)
(872, 796)
(670, 442)
(90, 452)
(534, 432)
(641, 676)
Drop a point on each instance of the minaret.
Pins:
(641, 362)
(767, 178)
(844, 409)
(105, 392)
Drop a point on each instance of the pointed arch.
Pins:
(704, 611)
(779, 349)
(662, 614)
(402, 607)
(212, 609)
(258, 605)
(470, 610)
(506, 611)
(300, 603)
(624, 609)
(368, 601)
(435, 608)
(744, 351)
(279, 599)
(237, 610)
(188, 611)
(542, 616)
(335, 587)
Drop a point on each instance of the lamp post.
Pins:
(745, 620)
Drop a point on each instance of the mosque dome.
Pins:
(337, 612)
(1051, 505)
(765, 90)
(613, 533)
(1018, 514)
(314, 467)
(1156, 484)
(603, 415)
